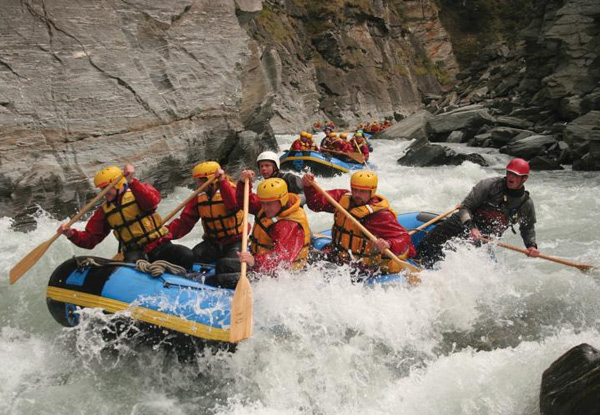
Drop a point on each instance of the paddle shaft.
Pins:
(364, 230)
(188, 199)
(434, 220)
(360, 152)
(582, 267)
(30, 259)
(245, 225)
(241, 304)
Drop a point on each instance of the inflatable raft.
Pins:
(185, 305)
(322, 164)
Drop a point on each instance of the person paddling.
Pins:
(373, 211)
(304, 143)
(268, 167)
(280, 237)
(130, 211)
(222, 224)
(492, 206)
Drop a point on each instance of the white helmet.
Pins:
(268, 156)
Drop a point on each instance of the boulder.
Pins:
(423, 154)
(539, 163)
(529, 147)
(513, 122)
(571, 385)
(503, 135)
(411, 127)
(444, 124)
(456, 137)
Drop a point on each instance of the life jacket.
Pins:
(260, 240)
(307, 146)
(350, 242)
(216, 221)
(494, 219)
(132, 226)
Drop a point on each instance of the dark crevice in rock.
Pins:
(10, 68)
(177, 18)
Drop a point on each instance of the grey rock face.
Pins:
(165, 85)
(358, 63)
(158, 85)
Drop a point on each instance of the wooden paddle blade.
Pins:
(29, 261)
(241, 311)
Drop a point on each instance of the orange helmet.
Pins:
(364, 180)
(105, 176)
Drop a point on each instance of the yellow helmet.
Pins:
(343, 135)
(309, 135)
(304, 134)
(364, 180)
(205, 169)
(105, 176)
(273, 189)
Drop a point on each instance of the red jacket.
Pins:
(146, 196)
(383, 224)
(190, 216)
(288, 237)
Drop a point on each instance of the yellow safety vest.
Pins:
(260, 240)
(132, 226)
(347, 238)
(216, 221)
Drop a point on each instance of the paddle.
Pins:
(242, 307)
(360, 152)
(30, 259)
(581, 267)
(359, 158)
(412, 270)
(434, 220)
(119, 256)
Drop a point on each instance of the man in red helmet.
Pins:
(492, 206)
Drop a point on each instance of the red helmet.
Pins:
(519, 167)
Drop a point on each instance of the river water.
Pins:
(473, 338)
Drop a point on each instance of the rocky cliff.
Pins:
(534, 64)
(350, 61)
(164, 85)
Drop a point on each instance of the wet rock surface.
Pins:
(571, 385)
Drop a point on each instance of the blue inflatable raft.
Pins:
(322, 164)
(184, 305)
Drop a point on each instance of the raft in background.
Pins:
(183, 305)
(322, 164)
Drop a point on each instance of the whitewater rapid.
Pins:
(473, 338)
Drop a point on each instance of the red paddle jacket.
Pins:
(146, 196)
(383, 224)
(287, 236)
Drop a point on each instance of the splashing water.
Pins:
(473, 338)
